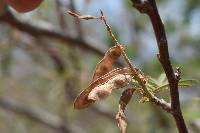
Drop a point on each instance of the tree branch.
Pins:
(53, 54)
(149, 7)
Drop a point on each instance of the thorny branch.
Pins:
(149, 7)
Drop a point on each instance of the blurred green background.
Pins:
(43, 75)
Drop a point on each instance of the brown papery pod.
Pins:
(82, 100)
(115, 82)
(106, 64)
(121, 117)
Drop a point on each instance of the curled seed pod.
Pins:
(82, 100)
(105, 65)
(121, 117)
(103, 90)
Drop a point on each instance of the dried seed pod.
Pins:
(105, 65)
(82, 100)
(103, 90)
(121, 117)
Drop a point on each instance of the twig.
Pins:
(86, 17)
(149, 7)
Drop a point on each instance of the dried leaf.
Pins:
(121, 117)
(105, 65)
(82, 100)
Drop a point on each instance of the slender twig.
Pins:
(149, 7)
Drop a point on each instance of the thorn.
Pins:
(101, 12)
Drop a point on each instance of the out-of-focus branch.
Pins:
(76, 21)
(53, 54)
(149, 7)
(60, 15)
(8, 17)
(43, 117)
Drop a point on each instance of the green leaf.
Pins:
(188, 82)
(153, 82)
(162, 78)
(161, 83)
(182, 84)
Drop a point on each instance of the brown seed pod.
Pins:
(115, 82)
(105, 65)
(120, 116)
(82, 100)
